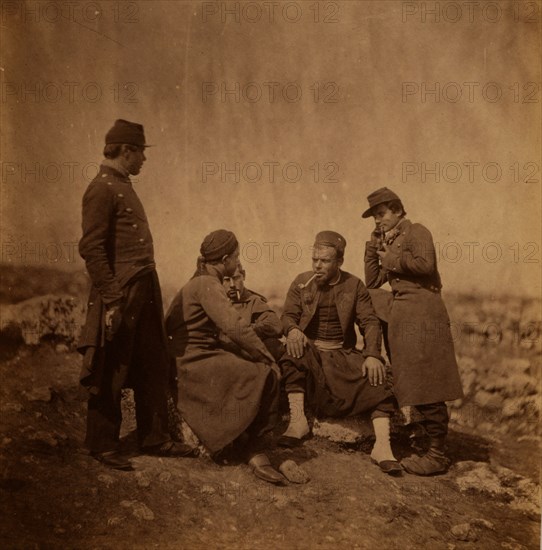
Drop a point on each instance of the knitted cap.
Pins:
(217, 244)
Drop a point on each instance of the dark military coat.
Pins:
(422, 352)
(117, 248)
(353, 307)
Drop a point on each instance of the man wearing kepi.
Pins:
(322, 364)
(222, 394)
(424, 367)
(123, 340)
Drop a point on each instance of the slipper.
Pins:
(391, 467)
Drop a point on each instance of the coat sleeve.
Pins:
(264, 320)
(221, 311)
(98, 213)
(293, 309)
(375, 276)
(417, 255)
(368, 323)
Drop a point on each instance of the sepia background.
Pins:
(276, 121)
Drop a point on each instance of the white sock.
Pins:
(382, 448)
(298, 426)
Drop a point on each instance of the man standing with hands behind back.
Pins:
(123, 340)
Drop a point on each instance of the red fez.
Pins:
(217, 244)
(330, 238)
(126, 132)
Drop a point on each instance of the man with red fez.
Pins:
(322, 365)
(123, 341)
(222, 394)
(424, 367)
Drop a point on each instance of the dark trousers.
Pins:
(435, 419)
(333, 385)
(267, 417)
(136, 357)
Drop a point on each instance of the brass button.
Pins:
(120, 195)
(134, 225)
(170, 337)
(109, 183)
(141, 240)
(130, 210)
(397, 280)
(104, 175)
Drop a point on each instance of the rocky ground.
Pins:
(54, 495)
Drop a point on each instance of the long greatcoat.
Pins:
(219, 391)
(117, 247)
(423, 360)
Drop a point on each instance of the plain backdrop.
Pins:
(335, 97)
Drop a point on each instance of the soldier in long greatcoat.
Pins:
(424, 367)
(222, 394)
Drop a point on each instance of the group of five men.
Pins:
(223, 345)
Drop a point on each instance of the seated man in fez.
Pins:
(255, 310)
(322, 363)
(222, 394)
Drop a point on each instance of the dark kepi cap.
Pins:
(123, 131)
(217, 244)
(378, 197)
(330, 238)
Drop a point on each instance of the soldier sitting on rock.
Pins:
(322, 365)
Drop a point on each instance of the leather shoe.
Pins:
(262, 468)
(171, 449)
(114, 460)
(392, 467)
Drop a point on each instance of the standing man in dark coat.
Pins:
(322, 365)
(424, 367)
(123, 340)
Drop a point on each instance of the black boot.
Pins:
(433, 462)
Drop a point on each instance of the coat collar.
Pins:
(111, 168)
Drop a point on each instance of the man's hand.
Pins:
(296, 342)
(384, 252)
(374, 370)
(377, 237)
(113, 319)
